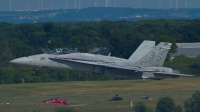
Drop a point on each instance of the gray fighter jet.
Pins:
(145, 62)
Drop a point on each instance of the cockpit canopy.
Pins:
(59, 51)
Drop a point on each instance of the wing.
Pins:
(127, 67)
(122, 67)
(75, 60)
(105, 64)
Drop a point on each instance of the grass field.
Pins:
(93, 96)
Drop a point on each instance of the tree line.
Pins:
(166, 104)
(121, 37)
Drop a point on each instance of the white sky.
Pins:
(70, 4)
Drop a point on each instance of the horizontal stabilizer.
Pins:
(174, 74)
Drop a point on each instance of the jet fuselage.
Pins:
(89, 63)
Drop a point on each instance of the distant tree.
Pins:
(165, 104)
(193, 104)
(166, 38)
(178, 109)
(140, 107)
(48, 26)
(64, 109)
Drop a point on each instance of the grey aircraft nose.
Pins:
(22, 61)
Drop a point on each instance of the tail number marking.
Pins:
(156, 57)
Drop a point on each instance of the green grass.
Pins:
(90, 96)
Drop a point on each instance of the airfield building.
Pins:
(187, 49)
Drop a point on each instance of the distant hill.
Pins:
(96, 14)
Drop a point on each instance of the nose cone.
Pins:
(21, 61)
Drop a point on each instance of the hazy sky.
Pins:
(71, 4)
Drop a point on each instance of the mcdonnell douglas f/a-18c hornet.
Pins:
(145, 62)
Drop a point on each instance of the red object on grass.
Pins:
(55, 101)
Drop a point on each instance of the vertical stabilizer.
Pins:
(156, 57)
(142, 50)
